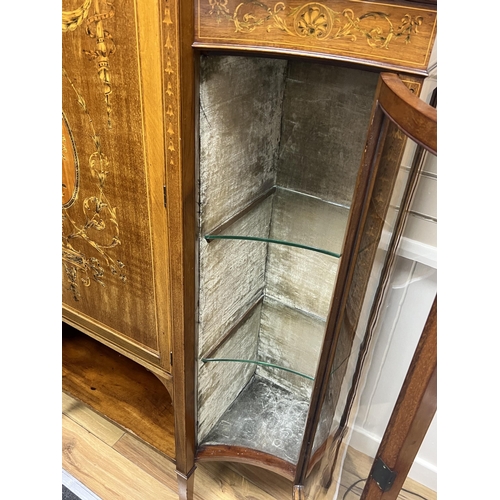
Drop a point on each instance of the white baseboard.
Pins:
(420, 252)
(79, 489)
(423, 472)
(412, 249)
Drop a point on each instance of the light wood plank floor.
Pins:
(116, 465)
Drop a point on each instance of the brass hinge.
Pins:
(165, 196)
(382, 475)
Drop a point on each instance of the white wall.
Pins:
(406, 307)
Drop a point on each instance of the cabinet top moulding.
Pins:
(390, 36)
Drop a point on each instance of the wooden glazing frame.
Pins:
(417, 120)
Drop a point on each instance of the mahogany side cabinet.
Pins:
(226, 180)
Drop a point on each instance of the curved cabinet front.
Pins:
(380, 34)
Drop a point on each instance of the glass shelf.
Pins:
(297, 220)
(255, 362)
(274, 357)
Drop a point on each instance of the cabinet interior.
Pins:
(280, 144)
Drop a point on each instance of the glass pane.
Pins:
(399, 295)
(409, 295)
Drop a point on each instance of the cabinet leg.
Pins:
(298, 492)
(185, 484)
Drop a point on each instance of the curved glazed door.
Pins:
(397, 112)
(115, 276)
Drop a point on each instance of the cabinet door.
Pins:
(397, 114)
(115, 276)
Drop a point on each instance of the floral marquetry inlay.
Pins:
(70, 167)
(99, 231)
(102, 11)
(170, 35)
(71, 19)
(313, 20)
(341, 27)
(318, 20)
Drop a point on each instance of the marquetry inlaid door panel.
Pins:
(115, 276)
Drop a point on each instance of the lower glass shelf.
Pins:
(256, 362)
(264, 417)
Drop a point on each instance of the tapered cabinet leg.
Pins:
(298, 492)
(185, 485)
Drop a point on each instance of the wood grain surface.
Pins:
(119, 470)
(119, 389)
(115, 248)
(83, 415)
(382, 34)
(105, 471)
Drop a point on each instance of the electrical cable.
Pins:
(361, 480)
(352, 486)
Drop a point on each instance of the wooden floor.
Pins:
(116, 465)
